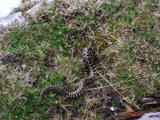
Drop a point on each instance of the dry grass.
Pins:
(124, 36)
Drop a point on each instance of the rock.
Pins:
(12, 18)
(47, 1)
(37, 7)
(10, 21)
(150, 116)
(2, 28)
(34, 9)
(18, 19)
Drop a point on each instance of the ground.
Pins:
(124, 36)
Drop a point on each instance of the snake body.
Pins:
(87, 55)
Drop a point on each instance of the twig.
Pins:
(64, 108)
(112, 86)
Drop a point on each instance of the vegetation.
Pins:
(124, 36)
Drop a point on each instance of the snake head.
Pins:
(87, 53)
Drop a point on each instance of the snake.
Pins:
(88, 59)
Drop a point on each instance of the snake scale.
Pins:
(88, 56)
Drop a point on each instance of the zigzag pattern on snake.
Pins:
(87, 55)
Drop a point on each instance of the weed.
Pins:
(124, 36)
(104, 82)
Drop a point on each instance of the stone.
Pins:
(8, 20)
(34, 9)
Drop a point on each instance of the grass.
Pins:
(124, 36)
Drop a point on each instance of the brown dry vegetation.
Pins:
(125, 38)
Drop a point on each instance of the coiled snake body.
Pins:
(87, 55)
